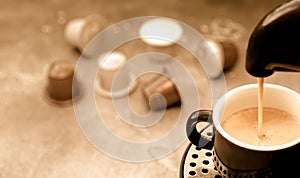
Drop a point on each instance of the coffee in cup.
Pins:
(279, 127)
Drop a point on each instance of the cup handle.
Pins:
(203, 139)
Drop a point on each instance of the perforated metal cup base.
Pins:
(203, 163)
(198, 163)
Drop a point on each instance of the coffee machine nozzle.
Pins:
(274, 44)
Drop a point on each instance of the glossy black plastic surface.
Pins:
(274, 44)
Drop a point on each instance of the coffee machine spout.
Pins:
(274, 45)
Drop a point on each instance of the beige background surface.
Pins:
(39, 139)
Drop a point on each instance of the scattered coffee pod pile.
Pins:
(158, 34)
(60, 80)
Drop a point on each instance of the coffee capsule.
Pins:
(109, 65)
(226, 53)
(161, 93)
(230, 54)
(80, 31)
(60, 82)
(160, 35)
(160, 32)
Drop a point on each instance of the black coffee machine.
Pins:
(274, 45)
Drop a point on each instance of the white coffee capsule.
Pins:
(160, 32)
(110, 64)
(160, 35)
(79, 32)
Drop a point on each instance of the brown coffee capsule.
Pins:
(230, 54)
(226, 53)
(60, 80)
(161, 86)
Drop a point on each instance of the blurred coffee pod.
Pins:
(226, 54)
(80, 31)
(161, 93)
(60, 82)
(230, 54)
(159, 35)
(106, 85)
(160, 32)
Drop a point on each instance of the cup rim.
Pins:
(217, 123)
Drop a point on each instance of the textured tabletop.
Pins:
(39, 139)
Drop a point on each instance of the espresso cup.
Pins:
(238, 155)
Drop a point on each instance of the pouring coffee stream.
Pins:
(274, 45)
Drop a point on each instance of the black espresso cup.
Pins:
(233, 157)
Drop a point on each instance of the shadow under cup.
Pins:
(239, 155)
